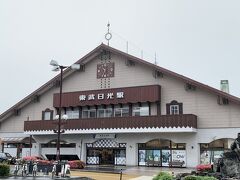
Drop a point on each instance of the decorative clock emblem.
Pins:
(105, 70)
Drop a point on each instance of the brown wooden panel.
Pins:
(131, 95)
(182, 120)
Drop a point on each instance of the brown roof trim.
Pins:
(176, 75)
(90, 56)
(48, 85)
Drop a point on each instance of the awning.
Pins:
(17, 140)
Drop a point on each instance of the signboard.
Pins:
(205, 157)
(142, 157)
(100, 96)
(135, 94)
(166, 157)
(179, 158)
(105, 136)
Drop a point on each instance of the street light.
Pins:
(57, 67)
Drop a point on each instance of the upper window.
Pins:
(89, 113)
(101, 113)
(121, 111)
(72, 113)
(47, 114)
(174, 108)
(142, 110)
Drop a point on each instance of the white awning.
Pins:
(16, 140)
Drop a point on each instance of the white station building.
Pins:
(123, 110)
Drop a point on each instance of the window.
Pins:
(47, 114)
(89, 113)
(141, 110)
(72, 113)
(104, 112)
(174, 108)
(121, 111)
(53, 144)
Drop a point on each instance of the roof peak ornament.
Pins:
(108, 35)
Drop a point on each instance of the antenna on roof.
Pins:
(108, 35)
(155, 61)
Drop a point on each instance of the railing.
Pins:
(184, 120)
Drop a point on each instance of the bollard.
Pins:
(45, 171)
(58, 169)
(121, 175)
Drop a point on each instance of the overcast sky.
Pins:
(196, 38)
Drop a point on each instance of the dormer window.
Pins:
(47, 114)
(174, 107)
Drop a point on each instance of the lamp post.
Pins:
(59, 131)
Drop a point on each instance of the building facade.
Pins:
(123, 110)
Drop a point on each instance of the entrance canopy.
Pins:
(17, 140)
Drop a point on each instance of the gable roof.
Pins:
(95, 52)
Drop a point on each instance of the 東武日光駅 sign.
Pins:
(151, 93)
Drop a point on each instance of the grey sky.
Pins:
(197, 38)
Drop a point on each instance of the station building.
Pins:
(123, 110)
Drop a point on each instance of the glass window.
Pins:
(121, 112)
(47, 115)
(141, 110)
(174, 109)
(118, 112)
(92, 113)
(105, 112)
(100, 113)
(72, 113)
(53, 144)
(85, 114)
(125, 112)
(89, 113)
(108, 112)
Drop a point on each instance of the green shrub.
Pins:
(155, 178)
(208, 178)
(4, 169)
(163, 176)
(162, 173)
(191, 177)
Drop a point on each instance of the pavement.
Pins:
(128, 172)
(113, 173)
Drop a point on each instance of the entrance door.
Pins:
(106, 156)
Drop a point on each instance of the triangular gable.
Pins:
(90, 56)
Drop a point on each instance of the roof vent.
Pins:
(129, 63)
(17, 112)
(157, 74)
(224, 86)
(190, 87)
(222, 100)
(36, 98)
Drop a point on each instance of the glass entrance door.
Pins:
(106, 156)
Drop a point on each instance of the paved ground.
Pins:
(129, 173)
(113, 173)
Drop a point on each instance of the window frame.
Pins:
(47, 111)
(169, 105)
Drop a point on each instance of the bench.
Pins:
(153, 163)
(176, 163)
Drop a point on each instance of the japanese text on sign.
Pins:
(100, 96)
